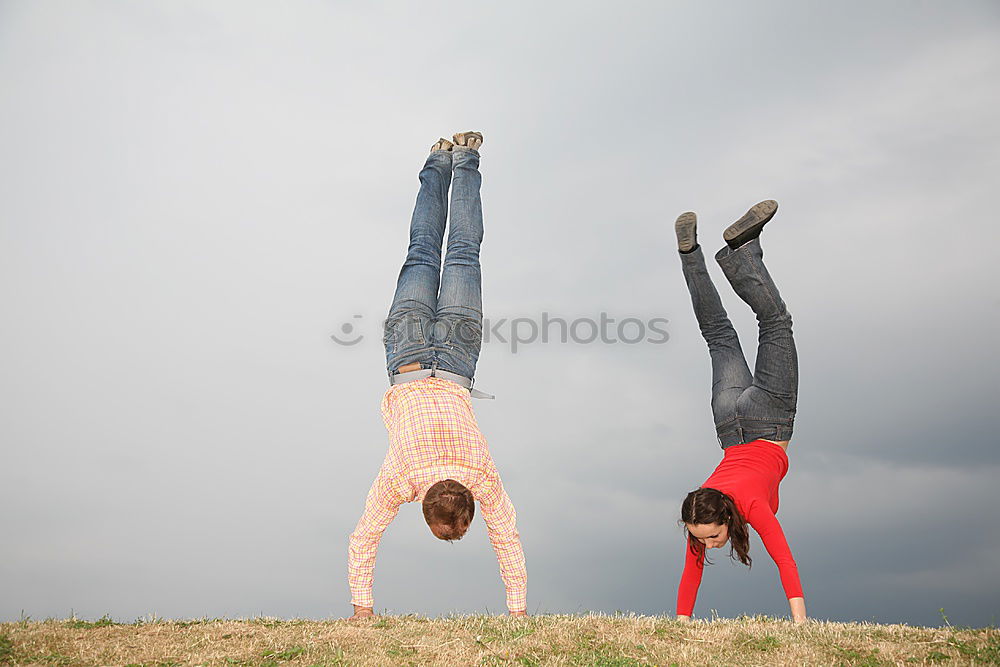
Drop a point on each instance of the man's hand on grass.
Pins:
(362, 613)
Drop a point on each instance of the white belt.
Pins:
(460, 380)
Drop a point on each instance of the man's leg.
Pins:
(771, 399)
(408, 325)
(458, 332)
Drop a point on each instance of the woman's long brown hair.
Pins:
(706, 505)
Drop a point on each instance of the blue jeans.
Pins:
(746, 407)
(436, 317)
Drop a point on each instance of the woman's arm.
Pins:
(687, 591)
(767, 526)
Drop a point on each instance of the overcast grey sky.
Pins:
(194, 195)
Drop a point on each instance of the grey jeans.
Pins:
(746, 406)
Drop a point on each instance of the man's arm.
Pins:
(501, 527)
(381, 508)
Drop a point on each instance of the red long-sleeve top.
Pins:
(749, 474)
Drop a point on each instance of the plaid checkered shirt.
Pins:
(433, 436)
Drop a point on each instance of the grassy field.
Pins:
(606, 641)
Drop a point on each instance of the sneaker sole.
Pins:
(686, 228)
(757, 216)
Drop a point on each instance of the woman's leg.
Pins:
(407, 328)
(771, 400)
(730, 373)
(458, 332)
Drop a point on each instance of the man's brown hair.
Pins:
(449, 509)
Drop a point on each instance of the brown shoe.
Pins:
(442, 145)
(749, 226)
(687, 231)
(471, 140)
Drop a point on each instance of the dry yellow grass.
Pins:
(608, 641)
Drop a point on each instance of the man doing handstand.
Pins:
(433, 335)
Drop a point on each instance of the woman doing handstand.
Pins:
(753, 413)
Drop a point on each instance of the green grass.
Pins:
(762, 644)
(102, 622)
(287, 654)
(6, 648)
(591, 640)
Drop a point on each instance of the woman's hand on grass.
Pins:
(798, 608)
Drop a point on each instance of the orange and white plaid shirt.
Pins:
(433, 436)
